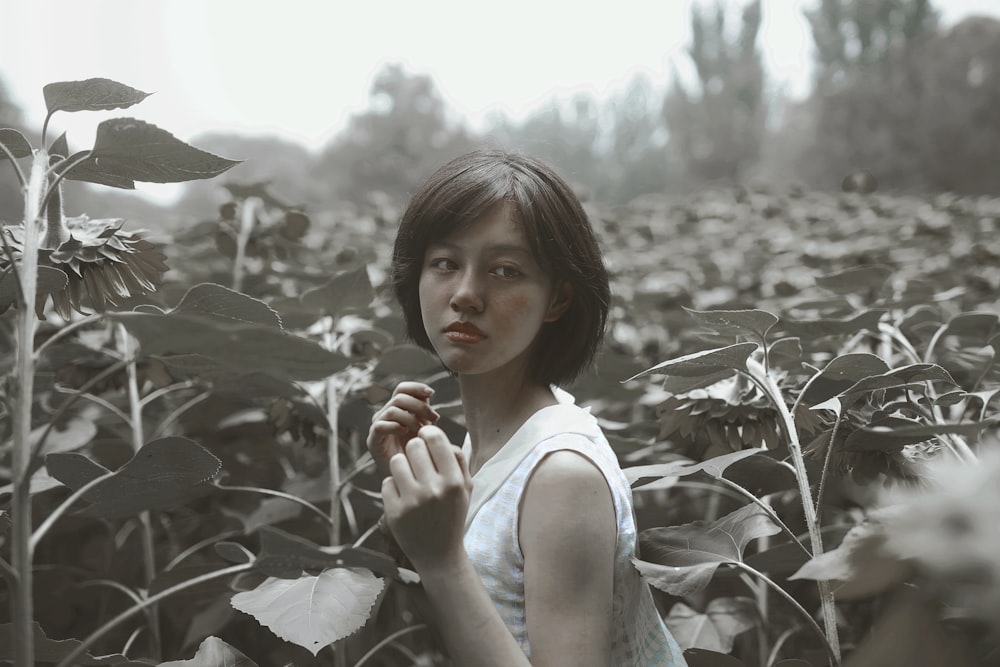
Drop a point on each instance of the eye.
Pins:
(442, 264)
(507, 271)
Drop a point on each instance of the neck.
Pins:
(495, 408)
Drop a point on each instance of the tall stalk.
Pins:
(333, 453)
(827, 602)
(127, 348)
(27, 321)
(247, 219)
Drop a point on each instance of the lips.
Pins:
(464, 332)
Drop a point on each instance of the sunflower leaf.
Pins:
(14, 142)
(707, 362)
(313, 611)
(90, 95)
(682, 559)
(133, 149)
(755, 322)
(163, 474)
(212, 652)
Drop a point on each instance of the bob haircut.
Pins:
(557, 230)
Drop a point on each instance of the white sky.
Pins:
(298, 68)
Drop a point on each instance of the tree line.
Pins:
(894, 95)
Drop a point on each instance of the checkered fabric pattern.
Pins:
(640, 637)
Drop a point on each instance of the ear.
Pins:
(562, 296)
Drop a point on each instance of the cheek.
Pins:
(522, 308)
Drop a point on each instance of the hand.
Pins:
(398, 421)
(426, 499)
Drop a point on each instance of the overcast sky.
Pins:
(299, 68)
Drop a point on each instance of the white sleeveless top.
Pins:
(640, 639)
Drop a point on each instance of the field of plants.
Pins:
(800, 386)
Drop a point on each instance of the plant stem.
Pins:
(767, 509)
(63, 507)
(155, 599)
(67, 330)
(250, 205)
(333, 453)
(138, 440)
(830, 648)
(826, 467)
(279, 494)
(27, 320)
(827, 602)
(388, 640)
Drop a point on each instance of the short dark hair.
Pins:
(558, 232)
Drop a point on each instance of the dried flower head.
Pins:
(103, 264)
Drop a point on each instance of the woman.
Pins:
(523, 539)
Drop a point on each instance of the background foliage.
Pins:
(272, 338)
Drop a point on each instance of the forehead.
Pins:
(497, 228)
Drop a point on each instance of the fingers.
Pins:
(412, 411)
(429, 463)
(442, 453)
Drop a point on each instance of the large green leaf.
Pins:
(349, 289)
(313, 611)
(859, 565)
(53, 650)
(682, 559)
(89, 171)
(716, 628)
(136, 150)
(810, 330)
(285, 556)
(90, 95)
(699, 657)
(216, 301)
(65, 437)
(213, 652)
(856, 280)
(643, 476)
(60, 146)
(897, 377)
(761, 475)
(977, 325)
(894, 433)
(242, 347)
(406, 360)
(164, 474)
(14, 142)
(755, 322)
(707, 362)
(841, 373)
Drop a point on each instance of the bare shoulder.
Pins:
(567, 504)
(566, 471)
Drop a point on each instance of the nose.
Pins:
(468, 294)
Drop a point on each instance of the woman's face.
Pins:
(484, 298)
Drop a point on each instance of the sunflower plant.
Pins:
(75, 265)
(890, 406)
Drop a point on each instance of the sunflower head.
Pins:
(103, 264)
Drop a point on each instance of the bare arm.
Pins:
(568, 535)
(568, 602)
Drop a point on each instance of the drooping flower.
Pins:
(103, 264)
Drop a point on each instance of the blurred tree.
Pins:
(919, 115)
(396, 143)
(855, 35)
(11, 202)
(716, 129)
(566, 135)
(637, 161)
